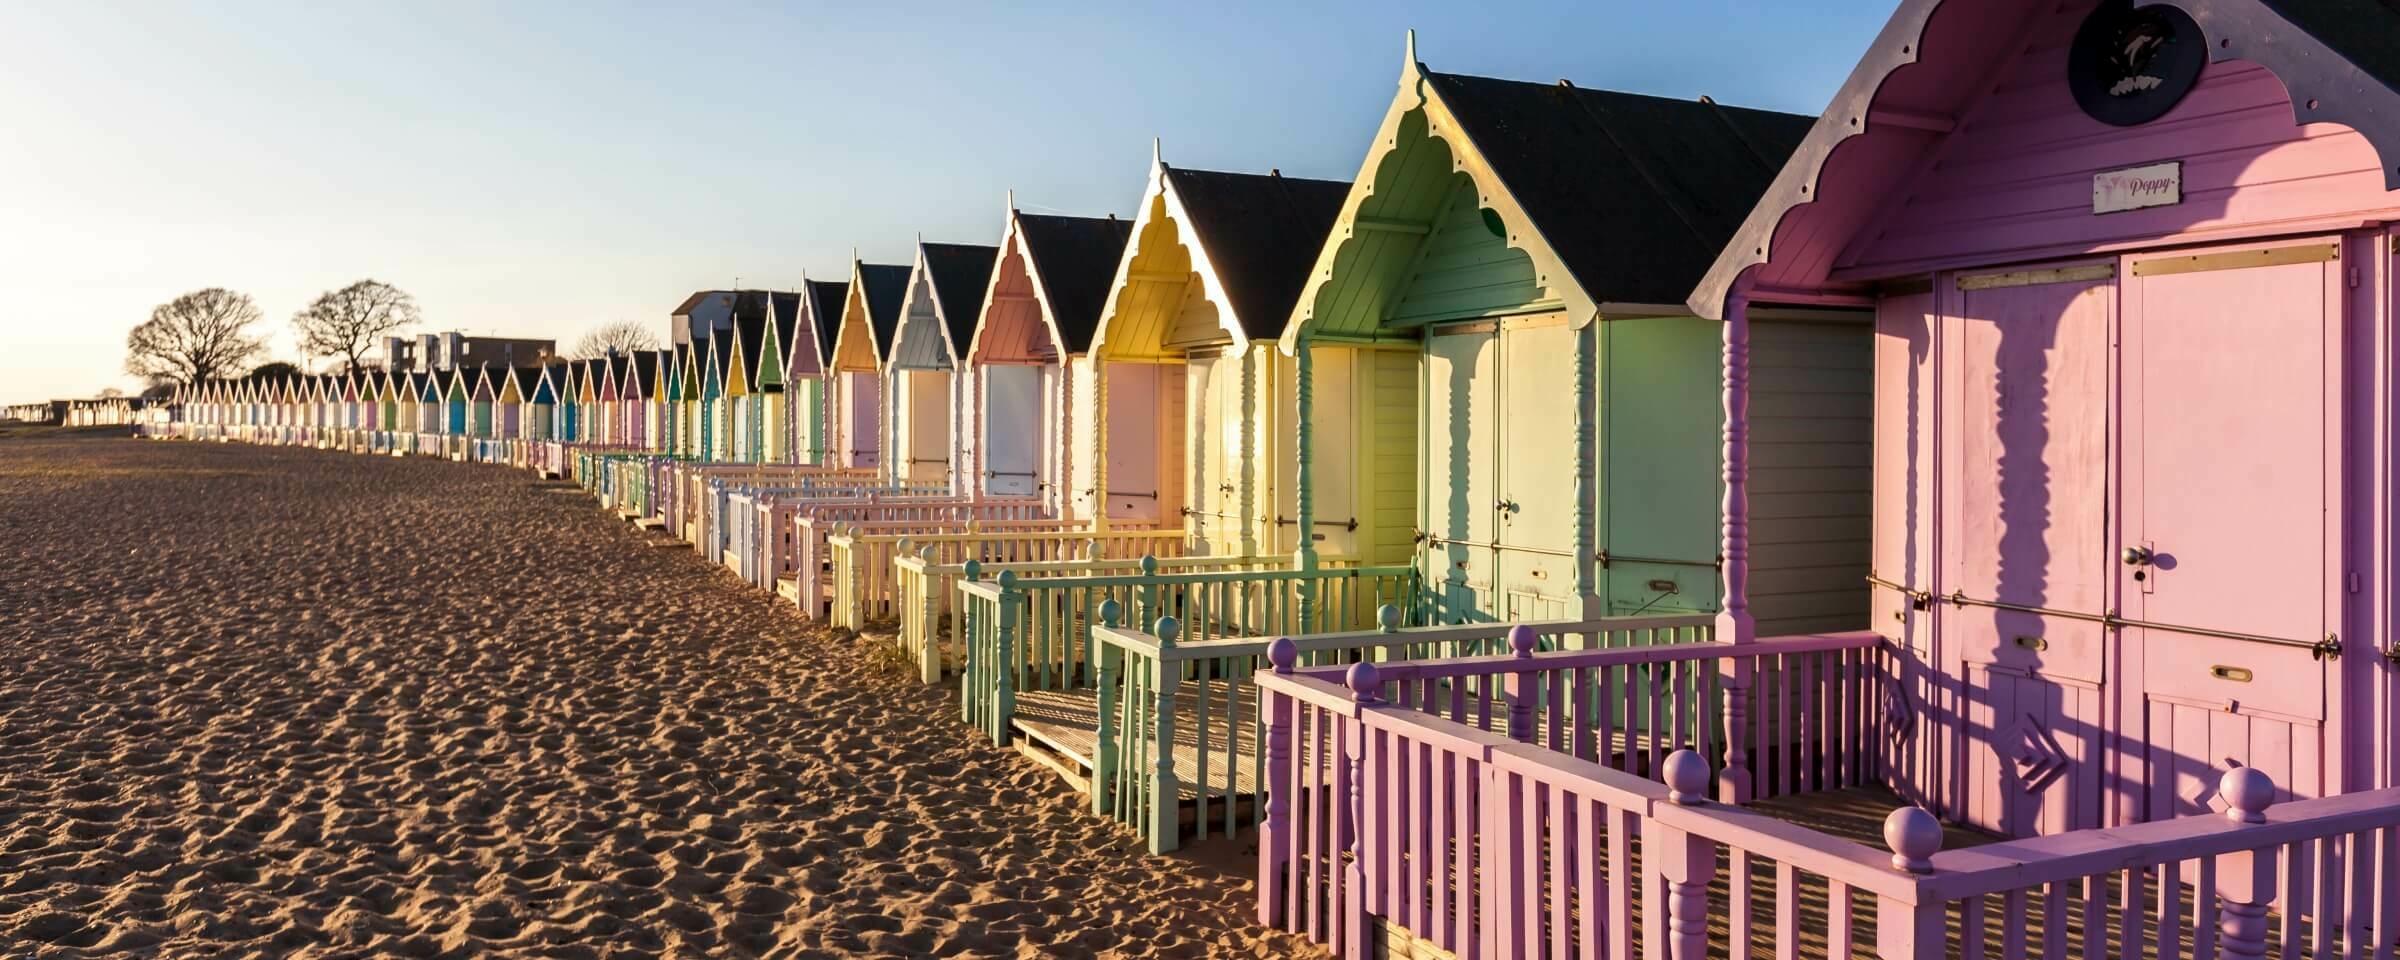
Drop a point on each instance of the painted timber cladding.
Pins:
(1496, 279)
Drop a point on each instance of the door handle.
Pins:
(2138, 556)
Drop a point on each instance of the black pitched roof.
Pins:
(1262, 233)
(887, 286)
(1586, 163)
(2366, 34)
(784, 309)
(961, 273)
(826, 300)
(750, 324)
(645, 370)
(527, 379)
(1076, 259)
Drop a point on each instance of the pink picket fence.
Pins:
(1572, 804)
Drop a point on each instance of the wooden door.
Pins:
(1013, 430)
(862, 411)
(1214, 496)
(1461, 442)
(2232, 385)
(1536, 479)
(1133, 442)
(2029, 402)
(928, 438)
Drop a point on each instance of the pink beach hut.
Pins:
(2131, 271)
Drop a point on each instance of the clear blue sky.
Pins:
(540, 168)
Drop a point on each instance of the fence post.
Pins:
(1350, 796)
(1004, 703)
(2246, 879)
(928, 621)
(970, 664)
(1150, 610)
(1687, 864)
(1274, 827)
(1104, 754)
(1904, 929)
(1520, 684)
(1166, 674)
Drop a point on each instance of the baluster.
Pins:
(1350, 789)
(1521, 684)
(1687, 863)
(1274, 829)
(2246, 879)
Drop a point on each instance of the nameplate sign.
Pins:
(2133, 188)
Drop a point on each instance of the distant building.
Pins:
(702, 314)
(443, 351)
(39, 411)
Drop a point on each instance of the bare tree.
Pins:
(623, 336)
(346, 322)
(198, 336)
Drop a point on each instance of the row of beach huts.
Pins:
(1616, 526)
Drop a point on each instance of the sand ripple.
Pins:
(266, 703)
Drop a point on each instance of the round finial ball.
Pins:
(1166, 629)
(974, 569)
(1914, 836)
(1687, 777)
(1364, 680)
(1283, 653)
(1112, 612)
(907, 544)
(1389, 616)
(1149, 564)
(2247, 792)
(1008, 578)
(1522, 639)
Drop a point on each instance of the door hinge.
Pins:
(2353, 278)
(2352, 579)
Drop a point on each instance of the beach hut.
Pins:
(746, 396)
(870, 315)
(484, 394)
(1030, 354)
(2110, 254)
(1199, 404)
(1565, 435)
(763, 367)
(690, 423)
(2129, 273)
(457, 401)
(538, 418)
(393, 402)
(928, 397)
(636, 399)
(817, 321)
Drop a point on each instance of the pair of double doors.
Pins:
(1498, 438)
(2142, 556)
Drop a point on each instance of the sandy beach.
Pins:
(261, 702)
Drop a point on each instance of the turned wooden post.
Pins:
(928, 618)
(1905, 929)
(1249, 454)
(1150, 611)
(1356, 904)
(1687, 864)
(1520, 685)
(1165, 676)
(2245, 880)
(1104, 753)
(1004, 673)
(1274, 821)
(971, 667)
(1305, 555)
(1734, 624)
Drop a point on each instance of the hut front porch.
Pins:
(1482, 807)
